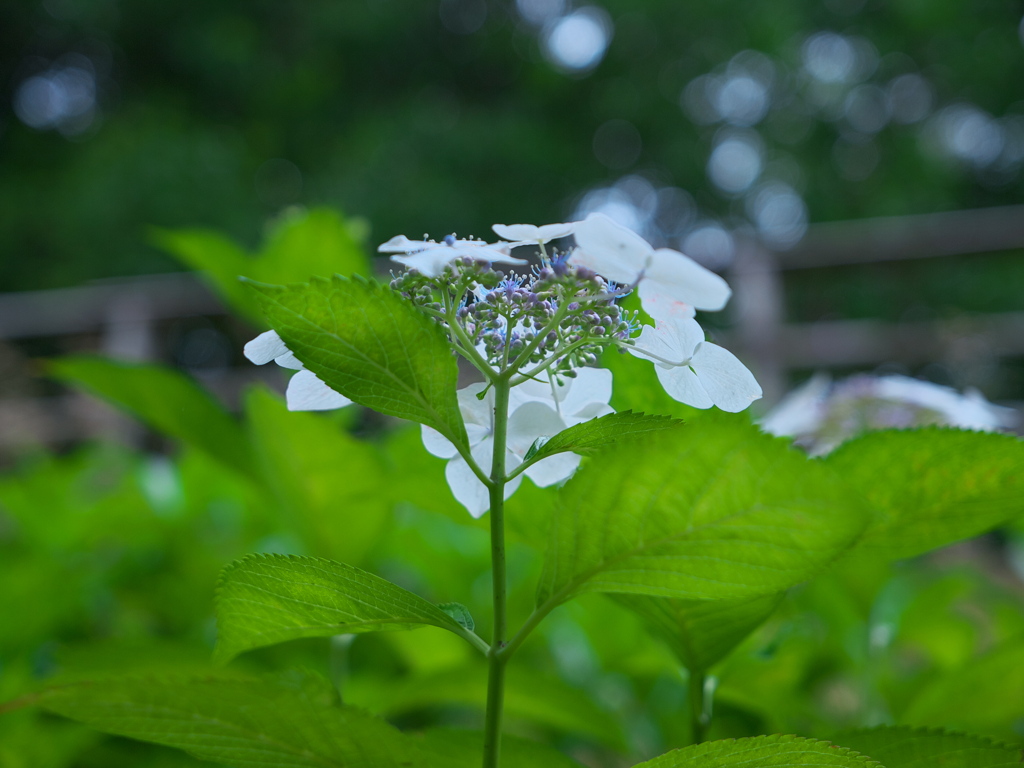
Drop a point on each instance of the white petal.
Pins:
(610, 249)
(681, 384)
(264, 348)
(437, 444)
(591, 386)
(553, 469)
(731, 386)
(674, 341)
(799, 412)
(466, 486)
(289, 360)
(402, 244)
(685, 280)
(661, 306)
(476, 411)
(534, 391)
(530, 421)
(430, 262)
(308, 393)
(532, 234)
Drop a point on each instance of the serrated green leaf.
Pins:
(984, 696)
(591, 436)
(931, 487)
(701, 632)
(763, 752)
(371, 345)
(247, 723)
(460, 613)
(327, 483)
(300, 245)
(904, 747)
(166, 400)
(716, 511)
(268, 599)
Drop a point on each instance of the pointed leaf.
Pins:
(368, 343)
(715, 511)
(591, 436)
(242, 722)
(931, 487)
(762, 752)
(460, 613)
(301, 245)
(268, 599)
(701, 632)
(903, 747)
(166, 400)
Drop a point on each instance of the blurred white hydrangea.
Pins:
(821, 414)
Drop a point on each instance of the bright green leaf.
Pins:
(701, 632)
(166, 400)
(327, 483)
(714, 511)
(242, 722)
(931, 487)
(301, 245)
(762, 752)
(460, 613)
(591, 436)
(371, 345)
(902, 747)
(268, 599)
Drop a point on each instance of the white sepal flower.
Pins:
(529, 234)
(664, 275)
(430, 258)
(305, 392)
(695, 371)
(536, 410)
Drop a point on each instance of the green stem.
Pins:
(495, 660)
(698, 714)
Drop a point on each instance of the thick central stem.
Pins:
(496, 661)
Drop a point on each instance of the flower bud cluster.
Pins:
(518, 320)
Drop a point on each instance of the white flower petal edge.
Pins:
(308, 393)
(430, 259)
(529, 233)
(305, 391)
(610, 249)
(731, 386)
(466, 486)
(679, 277)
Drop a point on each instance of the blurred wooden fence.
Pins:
(122, 318)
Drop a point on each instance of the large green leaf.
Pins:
(166, 400)
(902, 747)
(368, 343)
(596, 434)
(301, 245)
(268, 599)
(984, 696)
(713, 511)
(701, 632)
(762, 752)
(247, 723)
(931, 487)
(328, 483)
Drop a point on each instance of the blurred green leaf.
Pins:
(717, 510)
(166, 400)
(931, 487)
(371, 345)
(762, 751)
(244, 722)
(301, 245)
(985, 696)
(591, 436)
(701, 632)
(449, 748)
(330, 485)
(268, 599)
(902, 747)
